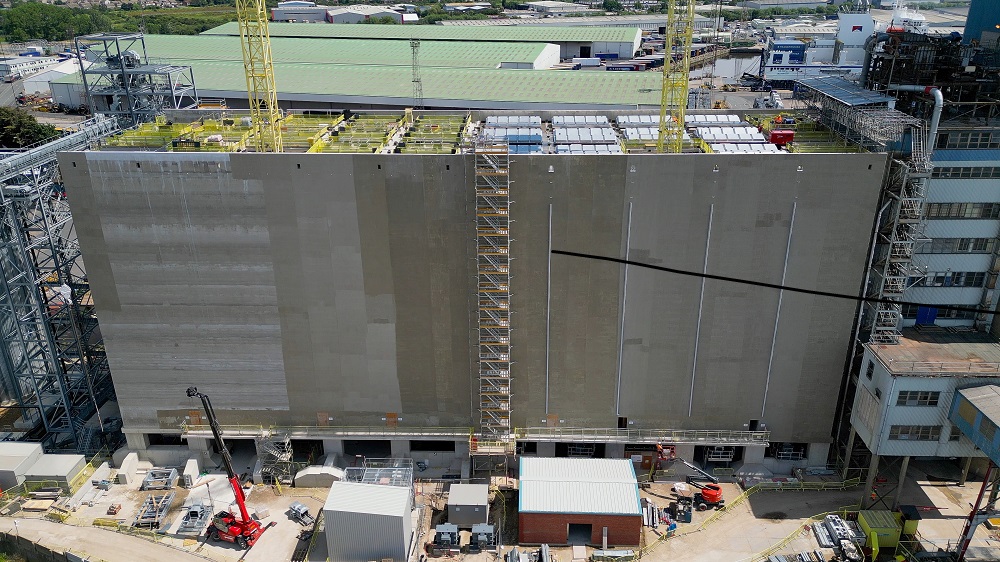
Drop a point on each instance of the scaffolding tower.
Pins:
(492, 160)
(276, 460)
(53, 361)
(120, 80)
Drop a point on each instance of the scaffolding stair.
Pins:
(274, 450)
(492, 177)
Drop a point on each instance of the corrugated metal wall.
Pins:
(360, 537)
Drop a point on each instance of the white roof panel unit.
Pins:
(637, 120)
(568, 485)
(717, 120)
(580, 121)
(513, 121)
(730, 134)
(745, 148)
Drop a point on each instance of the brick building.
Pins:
(577, 501)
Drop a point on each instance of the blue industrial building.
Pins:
(983, 15)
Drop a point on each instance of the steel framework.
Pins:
(865, 118)
(676, 71)
(120, 80)
(418, 84)
(276, 457)
(53, 359)
(492, 160)
(259, 68)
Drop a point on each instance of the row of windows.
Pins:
(909, 312)
(957, 246)
(969, 139)
(915, 432)
(966, 172)
(949, 279)
(917, 398)
(962, 210)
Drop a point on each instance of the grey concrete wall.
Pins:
(672, 198)
(289, 285)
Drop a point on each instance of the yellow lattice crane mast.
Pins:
(676, 70)
(264, 111)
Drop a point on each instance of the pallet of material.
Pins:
(37, 505)
(159, 479)
(153, 510)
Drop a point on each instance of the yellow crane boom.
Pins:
(264, 111)
(676, 71)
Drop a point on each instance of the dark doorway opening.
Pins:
(622, 423)
(373, 448)
(754, 424)
(584, 52)
(579, 533)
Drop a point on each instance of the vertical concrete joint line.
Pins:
(777, 313)
(701, 303)
(548, 313)
(621, 321)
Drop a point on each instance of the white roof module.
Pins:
(589, 135)
(730, 134)
(588, 149)
(717, 120)
(513, 121)
(580, 121)
(745, 148)
(567, 485)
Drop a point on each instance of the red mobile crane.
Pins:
(226, 526)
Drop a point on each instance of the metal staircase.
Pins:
(898, 238)
(275, 453)
(492, 161)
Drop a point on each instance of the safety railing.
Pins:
(695, 436)
(306, 431)
(944, 367)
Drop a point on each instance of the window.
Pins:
(915, 432)
(917, 398)
(949, 279)
(957, 246)
(878, 394)
(962, 210)
(967, 411)
(969, 139)
(909, 312)
(956, 434)
(970, 172)
(987, 428)
(870, 370)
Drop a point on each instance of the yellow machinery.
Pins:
(676, 71)
(256, 41)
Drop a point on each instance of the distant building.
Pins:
(554, 8)
(361, 12)
(298, 10)
(467, 6)
(785, 4)
(24, 65)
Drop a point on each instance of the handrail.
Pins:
(948, 367)
(328, 431)
(646, 435)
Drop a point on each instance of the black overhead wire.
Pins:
(780, 287)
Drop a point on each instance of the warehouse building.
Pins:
(578, 501)
(358, 13)
(784, 4)
(572, 41)
(361, 71)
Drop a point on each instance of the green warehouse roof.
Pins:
(465, 87)
(444, 33)
(346, 51)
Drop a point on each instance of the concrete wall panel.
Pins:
(287, 285)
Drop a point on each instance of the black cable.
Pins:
(769, 285)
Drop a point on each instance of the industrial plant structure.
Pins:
(365, 296)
